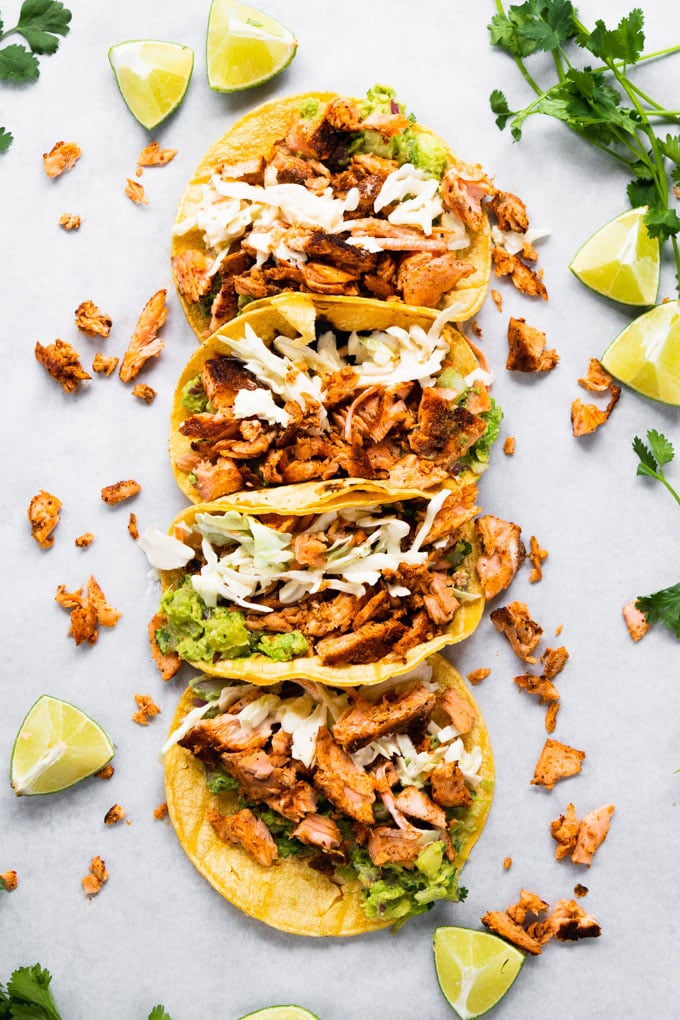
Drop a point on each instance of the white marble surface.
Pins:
(158, 932)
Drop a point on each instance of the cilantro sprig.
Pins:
(41, 22)
(28, 996)
(661, 606)
(602, 103)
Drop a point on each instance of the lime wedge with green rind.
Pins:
(621, 261)
(646, 354)
(475, 969)
(152, 76)
(245, 47)
(57, 745)
(281, 1013)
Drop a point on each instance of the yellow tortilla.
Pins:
(300, 500)
(294, 316)
(290, 895)
(254, 135)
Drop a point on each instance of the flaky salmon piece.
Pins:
(526, 348)
(247, 830)
(190, 269)
(564, 831)
(62, 361)
(592, 832)
(168, 662)
(135, 192)
(102, 363)
(499, 922)
(153, 155)
(522, 632)
(554, 660)
(89, 319)
(145, 343)
(345, 784)
(61, 157)
(585, 418)
(557, 761)
(510, 211)
(423, 278)
(569, 922)
(146, 709)
(460, 712)
(394, 846)
(536, 557)
(43, 515)
(596, 379)
(69, 221)
(448, 786)
(319, 831)
(502, 553)
(120, 491)
(636, 621)
(528, 281)
(528, 903)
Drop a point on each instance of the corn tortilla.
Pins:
(290, 895)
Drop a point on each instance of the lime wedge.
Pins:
(646, 355)
(152, 77)
(244, 46)
(56, 746)
(281, 1013)
(474, 969)
(621, 260)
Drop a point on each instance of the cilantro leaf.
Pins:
(17, 64)
(41, 21)
(662, 223)
(670, 146)
(30, 986)
(533, 25)
(158, 1013)
(499, 105)
(648, 464)
(662, 607)
(625, 42)
(661, 447)
(642, 191)
(6, 139)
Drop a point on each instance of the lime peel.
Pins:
(621, 261)
(474, 968)
(281, 1013)
(245, 47)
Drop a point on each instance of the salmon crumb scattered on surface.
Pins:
(526, 348)
(478, 675)
(87, 611)
(101, 363)
(554, 660)
(557, 761)
(580, 890)
(9, 880)
(507, 863)
(91, 320)
(551, 716)
(114, 814)
(558, 629)
(132, 526)
(523, 633)
(536, 557)
(596, 379)
(120, 491)
(43, 515)
(69, 221)
(144, 392)
(135, 192)
(160, 812)
(525, 279)
(62, 362)
(147, 708)
(477, 329)
(497, 299)
(93, 882)
(509, 446)
(145, 343)
(586, 418)
(636, 621)
(153, 155)
(61, 157)
(106, 772)
(85, 539)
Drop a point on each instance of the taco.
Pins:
(305, 388)
(286, 586)
(331, 195)
(330, 812)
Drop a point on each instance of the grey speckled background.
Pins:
(158, 933)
